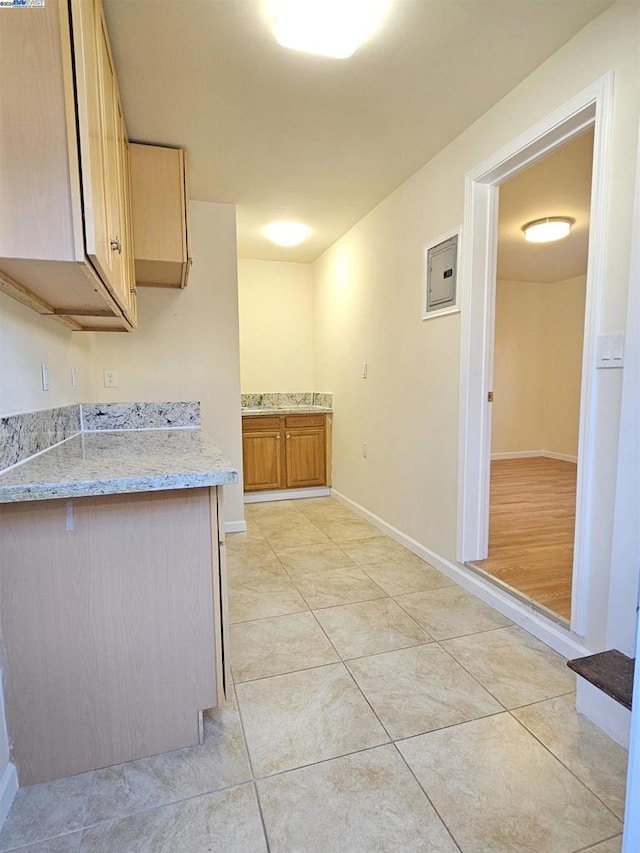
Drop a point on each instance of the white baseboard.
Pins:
(563, 457)
(558, 638)
(533, 454)
(8, 789)
(286, 495)
(610, 716)
(518, 454)
(235, 526)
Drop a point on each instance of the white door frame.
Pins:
(592, 107)
(627, 490)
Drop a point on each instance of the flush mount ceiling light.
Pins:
(286, 233)
(547, 230)
(334, 28)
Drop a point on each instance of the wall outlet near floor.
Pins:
(110, 378)
(44, 373)
(364, 449)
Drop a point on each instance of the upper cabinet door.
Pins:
(90, 107)
(101, 130)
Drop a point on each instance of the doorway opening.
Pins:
(590, 111)
(537, 371)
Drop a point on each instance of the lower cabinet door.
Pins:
(306, 458)
(262, 455)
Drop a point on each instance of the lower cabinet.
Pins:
(285, 452)
(112, 623)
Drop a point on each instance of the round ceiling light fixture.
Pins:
(333, 28)
(547, 230)
(286, 233)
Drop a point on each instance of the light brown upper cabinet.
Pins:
(160, 204)
(65, 221)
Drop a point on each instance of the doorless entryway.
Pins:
(590, 109)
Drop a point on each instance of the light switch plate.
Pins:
(610, 350)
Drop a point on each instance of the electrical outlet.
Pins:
(365, 369)
(364, 449)
(110, 378)
(44, 371)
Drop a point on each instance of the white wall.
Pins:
(26, 340)
(367, 297)
(186, 346)
(537, 367)
(276, 326)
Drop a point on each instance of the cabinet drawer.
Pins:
(250, 424)
(293, 421)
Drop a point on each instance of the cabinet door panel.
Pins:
(127, 247)
(85, 17)
(112, 162)
(262, 455)
(306, 458)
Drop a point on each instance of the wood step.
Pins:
(610, 671)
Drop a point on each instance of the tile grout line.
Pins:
(457, 636)
(598, 843)
(251, 769)
(122, 818)
(560, 761)
(428, 798)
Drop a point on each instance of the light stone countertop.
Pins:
(286, 410)
(106, 463)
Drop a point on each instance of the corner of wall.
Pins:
(8, 773)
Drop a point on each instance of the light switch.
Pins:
(365, 369)
(610, 350)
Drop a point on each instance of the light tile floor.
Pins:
(376, 707)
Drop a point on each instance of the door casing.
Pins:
(593, 107)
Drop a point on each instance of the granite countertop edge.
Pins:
(118, 486)
(286, 410)
(118, 462)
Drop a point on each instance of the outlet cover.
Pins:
(110, 378)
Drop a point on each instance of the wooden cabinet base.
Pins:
(286, 452)
(111, 622)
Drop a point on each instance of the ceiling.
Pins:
(559, 185)
(286, 135)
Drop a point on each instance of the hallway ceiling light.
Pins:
(286, 233)
(334, 28)
(547, 230)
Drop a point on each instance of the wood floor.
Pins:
(531, 528)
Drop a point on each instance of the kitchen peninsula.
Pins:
(112, 590)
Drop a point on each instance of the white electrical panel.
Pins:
(441, 277)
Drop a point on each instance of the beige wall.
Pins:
(537, 366)
(368, 297)
(26, 340)
(186, 347)
(276, 326)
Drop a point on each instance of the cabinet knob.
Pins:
(277, 438)
(288, 436)
(116, 245)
